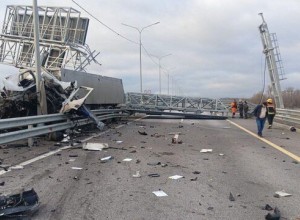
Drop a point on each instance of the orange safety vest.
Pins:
(233, 107)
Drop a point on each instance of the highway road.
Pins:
(249, 168)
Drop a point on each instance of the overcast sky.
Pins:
(215, 44)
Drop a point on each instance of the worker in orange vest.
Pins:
(233, 108)
(271, 112)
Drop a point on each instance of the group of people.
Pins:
(262, 112)
(242, 106)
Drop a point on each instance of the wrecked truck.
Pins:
(19, 96)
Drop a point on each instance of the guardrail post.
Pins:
(30, 140)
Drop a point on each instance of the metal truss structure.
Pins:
(62, 38)
(273, 60)
(175, 103)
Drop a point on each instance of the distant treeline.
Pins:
(290, 96)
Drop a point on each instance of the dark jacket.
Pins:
(257, 111)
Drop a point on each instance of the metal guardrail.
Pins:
(59, 122)
(288, 117)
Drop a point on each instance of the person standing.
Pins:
(246, 109)
(241, 108)
(233, 108)
(271, 112)
(261, 113)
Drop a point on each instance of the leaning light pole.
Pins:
(159, 68)
(140, 39)
(39, 83)
(273, 60)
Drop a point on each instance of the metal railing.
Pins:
(288, 117)
(39, 125)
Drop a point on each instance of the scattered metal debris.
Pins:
(175, 177)
(267, 207)
(153, 175)
(127, 159)
(273, 216)
(25, 203)
(205, 150)
(279, 194)
(154, 163)
(231, 197)
(194, 179)
(95, 146)
(119, 142)
(137, 174)
(175, 139)
(142, 133)
(76, 168)
(159, 193)
(106, 158)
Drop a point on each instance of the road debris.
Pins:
(282, 193)
(142, 133)
(293, 129)
(154, 163)
(127, 159)
(106, 158)
(137, 174)
(205, 150)
(95, 146)
(175, 177)
(273, 216)
(194, 179)
(73, 155)
(76, 168)
(267, 207)
(159, 193)
(24, 203)
(175, 139)
(231, 197)
(2, 183)
(221, 154)
(119, 142)
(196, 172)
(153, 175)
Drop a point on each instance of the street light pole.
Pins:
(140, 32)
(40, 88)
(159, 67)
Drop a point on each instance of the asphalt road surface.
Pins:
(250, 168)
